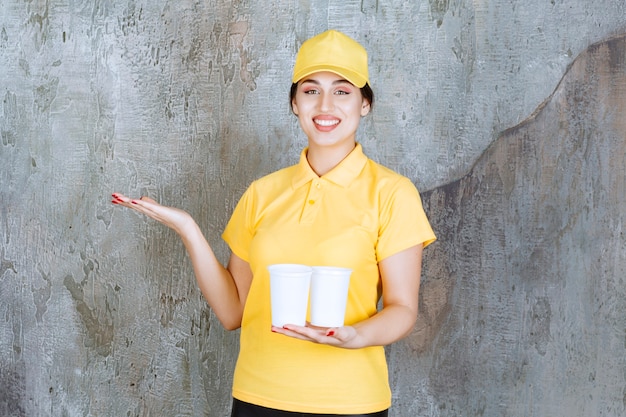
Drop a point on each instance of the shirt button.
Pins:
(318, 185)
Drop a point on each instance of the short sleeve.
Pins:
(238, 233)
(403, 222)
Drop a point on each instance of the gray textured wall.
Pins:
(524, 303)
(508, 115)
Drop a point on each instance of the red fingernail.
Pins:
(114, 202)
(134, 202)
(331, 333)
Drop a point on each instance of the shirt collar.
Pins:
(343, 174)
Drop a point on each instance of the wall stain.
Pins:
(39, 22)
(12, 390)
(170, 305)
(41, 296)
(371, 7)
(248, 66)
(235, 35)
(438, 10)
(45, 94)
(99, 326)
(4, 38)
(129, 19)
(9, 119)
(540, 318)
(6, 265)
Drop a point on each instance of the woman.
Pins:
(335, 207)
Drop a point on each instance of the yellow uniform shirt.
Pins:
(354, 216)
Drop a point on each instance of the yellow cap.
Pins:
(335, 52)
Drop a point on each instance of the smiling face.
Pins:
(329, 110)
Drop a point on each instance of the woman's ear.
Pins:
(294, 107)
(365, 108)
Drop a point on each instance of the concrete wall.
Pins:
(508, 115)
(523, 302)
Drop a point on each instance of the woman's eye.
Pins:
(341, 92)
(311, 91)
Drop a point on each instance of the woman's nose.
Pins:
(326, 102)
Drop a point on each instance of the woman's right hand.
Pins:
(225, 289)
(173, 218)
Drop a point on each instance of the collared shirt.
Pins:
(354, 216)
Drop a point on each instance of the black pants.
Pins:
(242, 409)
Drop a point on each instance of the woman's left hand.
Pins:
(400, 277)
(335, 336)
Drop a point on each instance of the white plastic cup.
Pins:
(289, 293)
(329, 295)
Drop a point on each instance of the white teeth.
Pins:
(326, 122)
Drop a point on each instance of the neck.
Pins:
(324, 159)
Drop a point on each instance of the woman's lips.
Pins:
(325, 124)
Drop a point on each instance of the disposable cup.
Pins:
(289, 293)
(329, 295)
